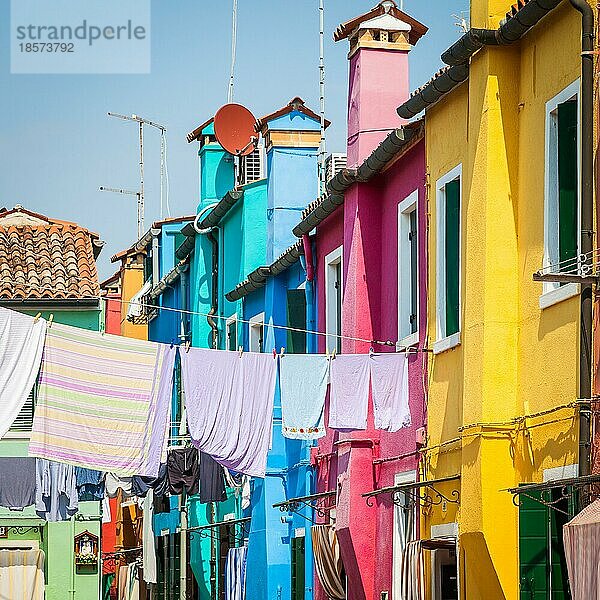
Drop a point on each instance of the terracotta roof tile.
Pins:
(53, 260)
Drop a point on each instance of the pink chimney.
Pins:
(380, 41)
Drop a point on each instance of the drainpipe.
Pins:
(212, 238)
(309, 291)
(587, 228)
(308, 551)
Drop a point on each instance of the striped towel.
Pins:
(103, 401)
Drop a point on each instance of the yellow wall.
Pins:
(132, 281)
(514, 359)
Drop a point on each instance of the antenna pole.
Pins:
(163, 130)
(322, 148)
(141, 196)
(233, 48)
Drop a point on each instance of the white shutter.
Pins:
(334, 163)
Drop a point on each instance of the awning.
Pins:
(321, 503)
(412, 491)
(587, 484)
(135, 309)
(581, 537)
(209, 530)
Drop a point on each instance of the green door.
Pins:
(298, 568)
(296, 318)
(543, 571)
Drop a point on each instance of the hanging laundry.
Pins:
(240, 484)
(90, 484)
(103, 401)
(235, 573)
(113, 483)
(56, 496)
(212, 480)
(183, 471)
(148, 541)
(303, 380)
(21, 346)
(160, 485)
(17, 482)
(389, 384)
(229, 406)
(22, 574)
(349, 391)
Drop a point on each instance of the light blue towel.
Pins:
(303, 380)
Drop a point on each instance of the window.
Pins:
(296, 319)
(257, 326)
(232, 337)
(408, 271)
(561, 189)
(448, 261)
(333, 299)
(24, 420)
(405, 529)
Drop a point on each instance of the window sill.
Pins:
(447, 343)
(409, 340)
(557, 295)
(17, 435)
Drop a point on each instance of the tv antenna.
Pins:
(461, 21)
(103, 188)
(163, 147)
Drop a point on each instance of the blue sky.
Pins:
(58, 146)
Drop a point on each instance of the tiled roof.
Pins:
(417, 30)
(43, 259)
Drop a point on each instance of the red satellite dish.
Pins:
(234, 129)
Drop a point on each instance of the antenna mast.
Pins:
(233, 47)
(322, 149)
(163, 130)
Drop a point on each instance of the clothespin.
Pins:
(282, 351)
(240, 350)
(187, 346)
(274, 354)
(333, 353)
(37, 317)
(50, 320)
(371, 351)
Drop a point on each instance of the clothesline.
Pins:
(283, 327)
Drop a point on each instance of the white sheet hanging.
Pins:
(21, 346)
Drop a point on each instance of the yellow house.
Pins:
(504, 133)
(128, 281)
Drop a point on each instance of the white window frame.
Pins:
(444, 342)
(231, 319)
(405, 208)
(332, 259)
(397, 549)
(553, 292)
(254, 334)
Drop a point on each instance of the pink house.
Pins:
(370, 252)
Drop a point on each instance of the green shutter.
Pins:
(296, 317)
(452, 255)
(567, 180)
(298, 568)
(414, 287)
(533, 548)
(543, 570)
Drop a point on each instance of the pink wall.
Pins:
(378, 84)
(367, 223)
